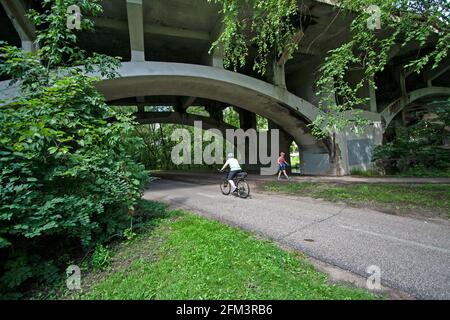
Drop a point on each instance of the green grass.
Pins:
(401, 198)
(295, 161)
(184, 256)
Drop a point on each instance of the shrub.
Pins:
(101, 258)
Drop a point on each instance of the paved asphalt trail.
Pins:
(414, 255)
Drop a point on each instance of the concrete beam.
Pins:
(160, 101)
(155, 30)
(278, 75)
(394, 108)
(184, 103)
(216, 111)
(402, 81)
(136, 29)
(278, 69)
(181, 118)
(298, 36)
(373, 98)
(16, 12)
(140, 104)
(215, 57)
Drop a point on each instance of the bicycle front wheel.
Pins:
(225, 187)
(243, 189)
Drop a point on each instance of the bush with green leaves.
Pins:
(418, 149)
(66, 179)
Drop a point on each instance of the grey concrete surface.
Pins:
(413, 255)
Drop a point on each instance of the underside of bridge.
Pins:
(165, 46)
(180, 86)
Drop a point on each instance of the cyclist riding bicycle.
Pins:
(235, 168)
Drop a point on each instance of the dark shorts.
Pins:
(282, 167)
(233, 174)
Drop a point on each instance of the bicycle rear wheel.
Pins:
(225, 187)
(243, 189)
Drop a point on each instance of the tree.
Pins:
(66, 179)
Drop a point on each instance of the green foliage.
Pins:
(420, 171)
(101, 258)
(418, 148)
(66, 179)
(58, 43)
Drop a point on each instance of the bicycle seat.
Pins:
(242, 175)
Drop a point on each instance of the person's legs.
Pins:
(233, 185)
(279, 174)
(285, 174)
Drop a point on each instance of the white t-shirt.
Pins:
(234, 164)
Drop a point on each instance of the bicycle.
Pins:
(243, 189)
